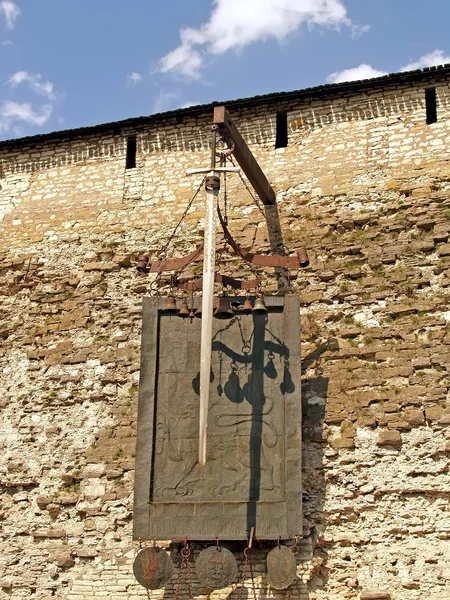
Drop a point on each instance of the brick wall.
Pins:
(364, 185)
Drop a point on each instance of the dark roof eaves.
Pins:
(274, 97)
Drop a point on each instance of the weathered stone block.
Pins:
(434, 413)
(379, 595)
(444, 250)
(84, 552)
(50, 533)
(389, 437)
(64, 560)
(106, 267)
(414, 417)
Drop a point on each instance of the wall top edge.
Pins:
(326, 90)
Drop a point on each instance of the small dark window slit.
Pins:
(131, 152)
(430, 105)
(281, 140)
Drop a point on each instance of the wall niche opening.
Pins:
(131, 152)
(430, 105)
(281, 140)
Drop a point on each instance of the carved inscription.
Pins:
(253, 467)
(246, 412)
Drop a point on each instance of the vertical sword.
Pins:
(212, 187)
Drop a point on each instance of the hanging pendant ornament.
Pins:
(281, 567)
(216, 567)
(153, 568)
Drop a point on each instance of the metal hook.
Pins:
(250, 539)
(185, 552)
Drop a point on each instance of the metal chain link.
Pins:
(244, 574)
(250, 562)
(178, 586)
(225, 199)
(163, 252)
(283, 246)
(258, 205)
(189, 574)
(225, 219)
(185, 554)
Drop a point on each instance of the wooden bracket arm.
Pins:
(244, 156)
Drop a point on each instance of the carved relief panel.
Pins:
(252, 475)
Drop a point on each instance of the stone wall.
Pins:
(363, 184)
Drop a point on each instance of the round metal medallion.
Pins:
(281, 567)
(216, 567)
(153, 568)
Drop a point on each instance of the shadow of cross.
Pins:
(252, 358)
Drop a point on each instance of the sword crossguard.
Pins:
(216, 169)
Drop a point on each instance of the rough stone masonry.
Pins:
(364, 183)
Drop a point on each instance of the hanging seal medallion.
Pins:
(153, 568)
(281, 567)
(216, 567)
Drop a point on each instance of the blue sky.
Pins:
(70, 64)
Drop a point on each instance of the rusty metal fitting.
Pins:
(212, 183)
(228, 148)
(303, 258)
(142, 264)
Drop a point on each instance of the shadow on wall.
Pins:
(314, 400)
(311, 557)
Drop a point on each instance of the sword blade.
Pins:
(209, 261)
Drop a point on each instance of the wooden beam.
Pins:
(244, 156)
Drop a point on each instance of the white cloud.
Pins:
(363, 71)
(433, 59)
(165, 101)
(234, 24)
(359, 30)
(188, 104)
(134, 78)
(10, 11)
(13, 112)
(45, 88)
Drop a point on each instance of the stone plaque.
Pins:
(252, 475)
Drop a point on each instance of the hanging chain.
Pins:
(180, 576)
(244, 574)
(185, 564)
(163, 252)
(225, 199)
(248, 265)
(250, 562)
(283, 246)
(220, 255)
(188, 567)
